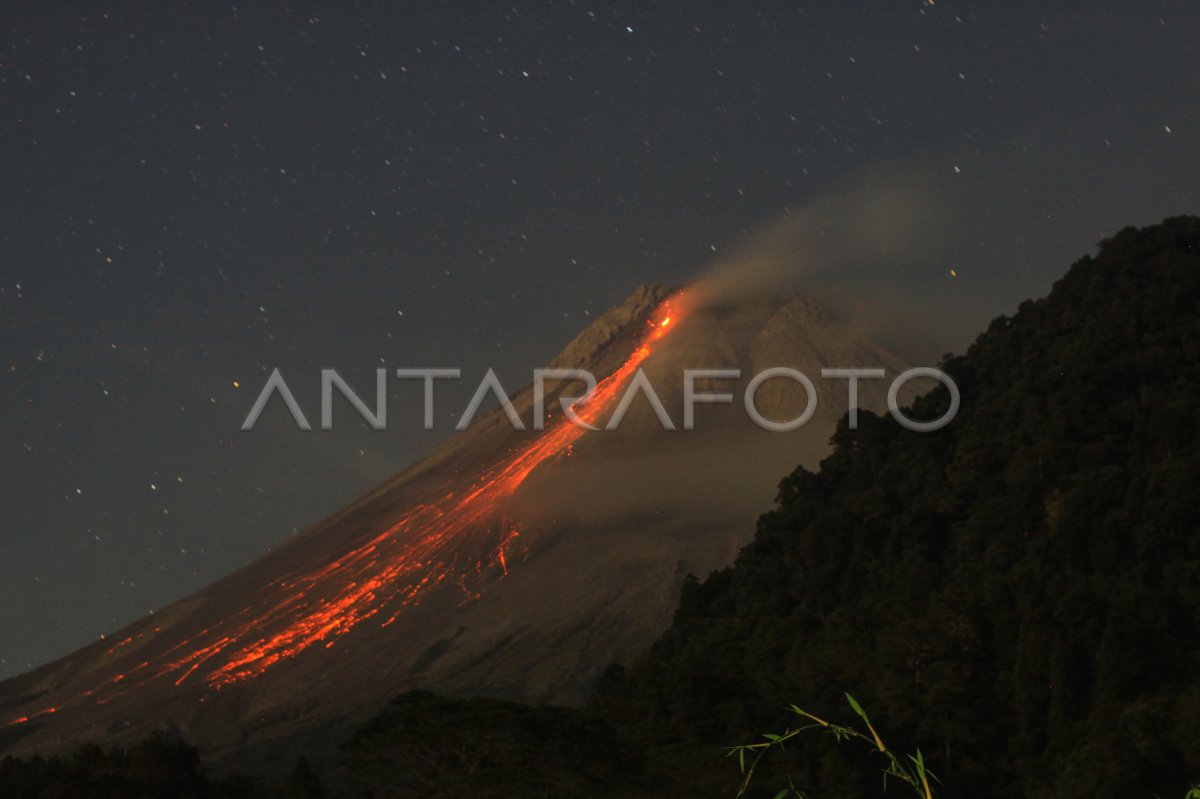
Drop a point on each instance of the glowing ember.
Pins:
(429, 545)
(25, 719)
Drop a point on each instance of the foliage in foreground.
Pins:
(908, 770)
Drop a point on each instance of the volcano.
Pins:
(510, 563)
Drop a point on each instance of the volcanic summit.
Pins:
(510, 563)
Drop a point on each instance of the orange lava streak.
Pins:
(426, 545)
(417, 542)
(26, 719)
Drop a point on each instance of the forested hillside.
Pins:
(1019, 592)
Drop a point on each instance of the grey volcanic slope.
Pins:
(508, 563)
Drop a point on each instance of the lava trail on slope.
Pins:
(452, 540)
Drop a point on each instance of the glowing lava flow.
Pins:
(409, 557)
(430, 544)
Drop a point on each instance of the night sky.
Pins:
(192, 194)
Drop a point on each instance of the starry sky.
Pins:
(194, 193)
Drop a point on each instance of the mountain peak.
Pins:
(586, 347)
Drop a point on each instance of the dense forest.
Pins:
(1018, 594)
